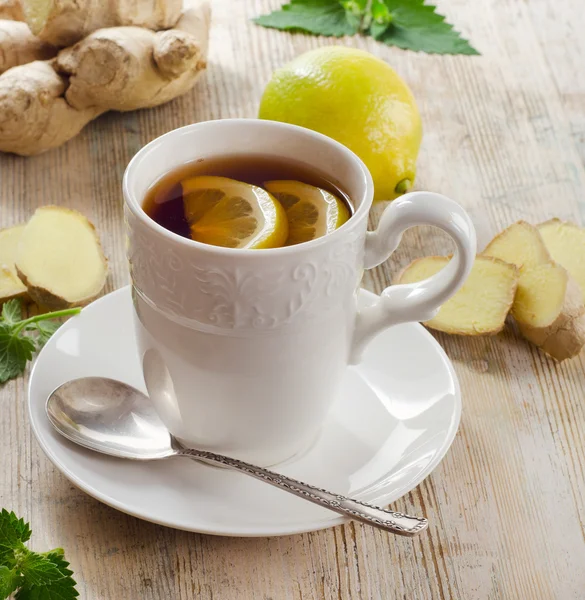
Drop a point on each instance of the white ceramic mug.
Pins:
(244, 351)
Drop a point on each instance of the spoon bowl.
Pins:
(110, 417)
(113, 418)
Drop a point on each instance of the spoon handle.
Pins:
(393, 522)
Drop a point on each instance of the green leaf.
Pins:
(45, 330)
(380, 18)
(408, 24)
(9, 581)
(39, 570)
(39, 576)
(355, 13)
(380, 12)
(416, 26)
(320, 17)
(358, 7)
(15, 351)
(13, 533)
(55, 589)
(12, 311)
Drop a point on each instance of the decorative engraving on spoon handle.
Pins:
(388, 520)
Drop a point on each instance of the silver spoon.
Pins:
(113, 418)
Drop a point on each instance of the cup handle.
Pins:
(414, 301)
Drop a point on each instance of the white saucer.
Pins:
(389, 429)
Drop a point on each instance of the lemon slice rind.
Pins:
(225, 212)
(312, 212)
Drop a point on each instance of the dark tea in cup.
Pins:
(247, 201)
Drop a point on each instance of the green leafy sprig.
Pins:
(21, 338)
(408, 24)
(32, 575)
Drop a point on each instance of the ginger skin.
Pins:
(19, 46)
(566, 336)
(11, 10)
(34, 115)
(43, 104)
(128, 68)
(65, 22)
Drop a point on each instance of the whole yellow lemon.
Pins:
(358, 100)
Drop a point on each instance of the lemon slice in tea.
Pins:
(233, 214)
(311, 211)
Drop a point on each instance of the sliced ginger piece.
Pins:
(543, 283)
(541, 294)
(520, 245)
(480, 307)
(565, 338)
(60, 258)
(10, 284)
(548, 306)
(566, 244)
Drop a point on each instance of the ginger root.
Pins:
(10, 284)
(60, 258)
(65, 22)
(128, 68)
(480, 307)
(43, 104)
(19, 46)
(34, 115)
(566, 244)
(11, 10)
(548, 306)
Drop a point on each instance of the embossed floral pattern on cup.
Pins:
(234, 297)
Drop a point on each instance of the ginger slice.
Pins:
(60, 258)
(548, 306)
(566, 244)
(10, 284)
(566, 336)
(480, 307)
(521, 245)
(541, 294)
(543, 283)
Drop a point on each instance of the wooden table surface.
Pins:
(505, 136)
